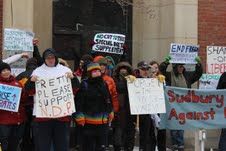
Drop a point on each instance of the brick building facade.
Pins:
(211, 25)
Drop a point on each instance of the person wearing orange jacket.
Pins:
(11, 123)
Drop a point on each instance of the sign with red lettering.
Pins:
(54, 97)
(146, 96)
(216, 59)
(194, 109)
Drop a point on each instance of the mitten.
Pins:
(167, 59)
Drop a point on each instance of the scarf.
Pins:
(178, 81)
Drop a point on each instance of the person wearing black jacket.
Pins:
(179, 77)
(124, 123)
(222, 85)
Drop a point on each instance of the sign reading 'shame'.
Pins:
(54, 97)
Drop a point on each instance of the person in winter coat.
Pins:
(94, 110)
(146, 125)
(179, 77)
(222, 143)
(49, 131)
(161, 133)
(124, 123)
(11, 123)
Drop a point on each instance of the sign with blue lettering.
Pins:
(194, 109)
(182, 53)
(109, 43)
(9, 98)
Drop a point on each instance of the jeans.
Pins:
(222, 142)
(49, 133)
(177, 137)
(95, 137)
(10, 136)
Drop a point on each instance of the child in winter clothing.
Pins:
(11, 123)
(94, 109)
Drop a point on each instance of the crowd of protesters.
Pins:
(102, 119)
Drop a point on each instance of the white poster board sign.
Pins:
(16, 39)
(146, 96)
(216, 59)
(109, 43)
(54, 97)
(209, 81)
(182, 53)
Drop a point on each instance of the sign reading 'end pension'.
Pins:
(54, 97)
(109, 43)
(181, 53)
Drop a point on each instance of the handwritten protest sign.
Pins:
(15, 39)
(194, 109)
(54, 97)
(209, 81)
(216, 59)
(109, 43)
(146, 96)
(9, 98)
(182, 53)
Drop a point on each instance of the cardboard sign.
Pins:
(109, 43)
(15, 39)
(9, 98)
(209, 81)
(194, 109)
(216, 59)
(182, 53)
(146, 96)
(54, 97)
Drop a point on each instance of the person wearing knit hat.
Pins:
(11, 121)
(48, 129)
(93, 109)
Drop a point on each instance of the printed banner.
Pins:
(216, 59)
(16, 39)
(182, 53)
(9, 98)
(54, 97)
(109, 43)
(146, 96)
(194, 109)
(209, 81)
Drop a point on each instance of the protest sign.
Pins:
(216, 59)
(146, 96)
(181, 53)
(54, 97)
(9, 98)
(209, 81)
(194, 109)
(109, 43)
(16, 39)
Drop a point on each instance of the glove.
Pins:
(80, 119)
(110, 117)
(198, 59)
(130, 78)
(161, 78)
(168, 58)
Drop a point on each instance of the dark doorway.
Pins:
(75, 22)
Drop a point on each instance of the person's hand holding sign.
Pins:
(69, 75)
(130, 78)
(34, 78)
